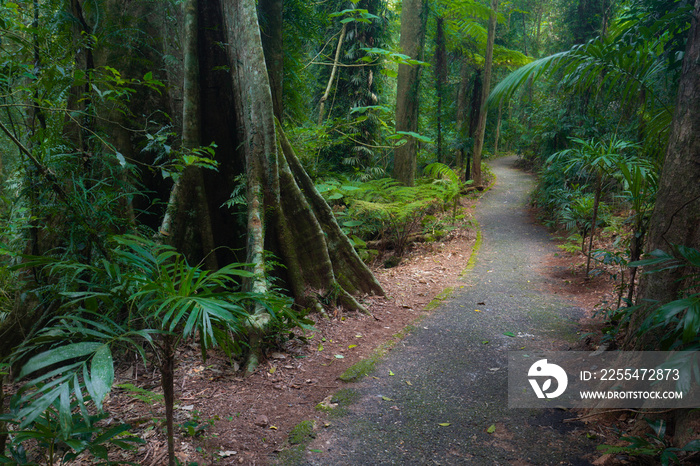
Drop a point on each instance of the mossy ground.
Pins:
(299, 439)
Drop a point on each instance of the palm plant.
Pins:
(639, 183)
(599, 158)
(159, 300)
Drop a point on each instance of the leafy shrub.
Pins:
(387, 210)
(146, 295)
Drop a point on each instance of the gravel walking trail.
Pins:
(452, 369)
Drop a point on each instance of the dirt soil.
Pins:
(227, 419)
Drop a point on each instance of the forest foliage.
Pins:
(93, 147)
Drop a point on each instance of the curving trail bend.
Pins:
(453, 367)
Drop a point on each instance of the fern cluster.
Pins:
(389, 211)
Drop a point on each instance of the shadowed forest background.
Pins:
(216, 170)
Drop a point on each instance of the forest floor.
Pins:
(224, 418)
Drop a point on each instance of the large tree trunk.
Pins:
(187, 215)
(486, 86)
(676, 216)
(413, 20)
(270, 13)
(285, 212)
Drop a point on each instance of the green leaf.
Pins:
(102, 375)
(420, 137)
(509, 334)
(56, 355)
(445, 424)
(64, 412)
(491, 429)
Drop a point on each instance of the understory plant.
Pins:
(146, 298)
(678, 321)
(655, 445)
(388, 211)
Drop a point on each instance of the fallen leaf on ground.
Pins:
(491, 429)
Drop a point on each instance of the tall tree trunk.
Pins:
(461, 116)
(167, 382)
(440, 81)
(481, 127)
(414, 15)
(285, 212)
(187, 214)
(498, 128)
(271, 15)
(475, 111)
(676, 216)
(594, 220)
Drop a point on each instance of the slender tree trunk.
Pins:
(594, 220)
(334, 71)
(413, 20)
(167, 380)
(474, 113)
(461, 116)
(536, 48)
(676, 216)
(271, 14)
(440, 82)
(481, 127)
(498, 129)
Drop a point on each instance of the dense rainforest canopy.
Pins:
(218, 169)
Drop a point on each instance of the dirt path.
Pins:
(453, 368)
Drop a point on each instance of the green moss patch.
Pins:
(361, 368)
(299, 439)
(302, 433)
(437, 300)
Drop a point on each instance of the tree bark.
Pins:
(188, 193)
(481, 127)
(285, 212)
(676, 216)
(498, 128)
(271, 14)
(440, 81)
(413, 20)
(461, 116)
